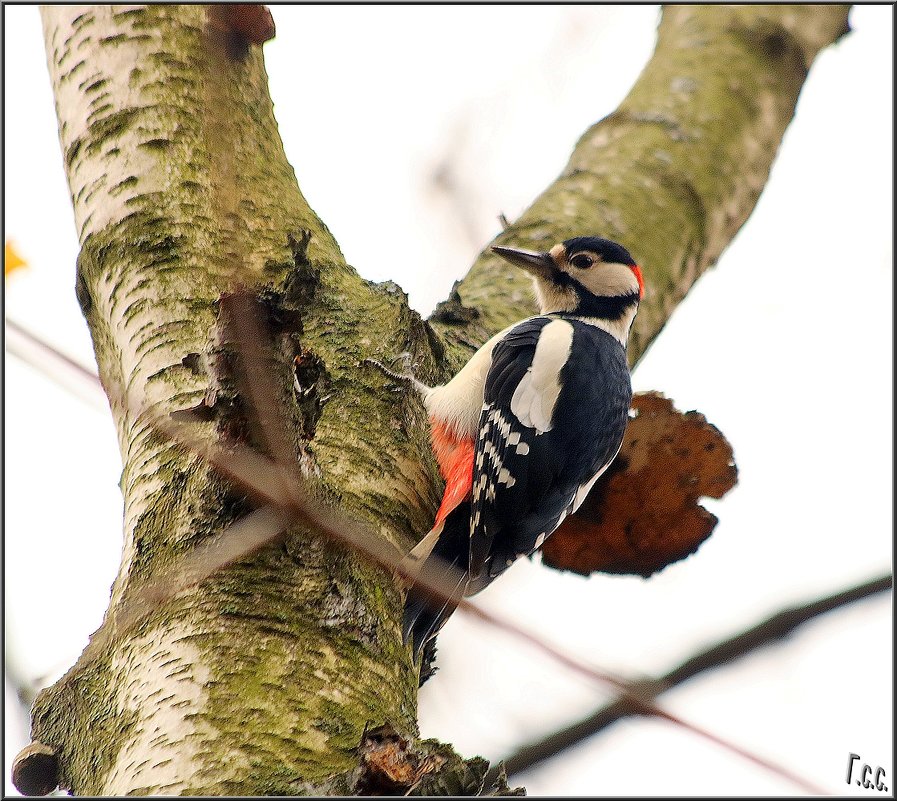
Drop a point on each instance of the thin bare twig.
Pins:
(56, 365)
(243, 317)
(774, 628)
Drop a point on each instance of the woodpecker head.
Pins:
(587, 276)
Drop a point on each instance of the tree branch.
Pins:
(771, 630)
(181, 191)
(674, 172)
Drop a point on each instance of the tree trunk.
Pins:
(264, 678)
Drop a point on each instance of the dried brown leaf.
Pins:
(643, 513)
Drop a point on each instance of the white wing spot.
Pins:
(505, 477)
(504, 427)
(522, 449)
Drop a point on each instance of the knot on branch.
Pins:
(390, 765)
(778, 44)
(453, 311)
(233, 27)
(35, 771)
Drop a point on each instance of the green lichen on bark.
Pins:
(80, 696)
(303, 637)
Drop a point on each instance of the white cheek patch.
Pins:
(608, 280)
(535, 397)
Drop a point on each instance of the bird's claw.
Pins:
(405, 377)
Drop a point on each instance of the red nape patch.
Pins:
(455, 458)
(638, 277)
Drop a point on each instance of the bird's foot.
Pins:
(405, 377)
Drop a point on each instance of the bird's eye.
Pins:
(581, 261)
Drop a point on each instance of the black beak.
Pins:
(538, 264)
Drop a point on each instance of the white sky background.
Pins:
(786, 346)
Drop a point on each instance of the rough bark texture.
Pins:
(264, 678)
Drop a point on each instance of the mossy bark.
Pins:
(264, 678)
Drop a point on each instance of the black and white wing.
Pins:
(555, 408)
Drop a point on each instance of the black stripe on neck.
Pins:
(605, 308)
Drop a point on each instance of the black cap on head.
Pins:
(610, 252)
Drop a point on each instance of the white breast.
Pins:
(459, 402)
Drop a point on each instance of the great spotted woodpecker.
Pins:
(525, 428)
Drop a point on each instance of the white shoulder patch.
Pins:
(535, 397)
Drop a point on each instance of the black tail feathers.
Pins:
(425, 611)
(424, 616)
